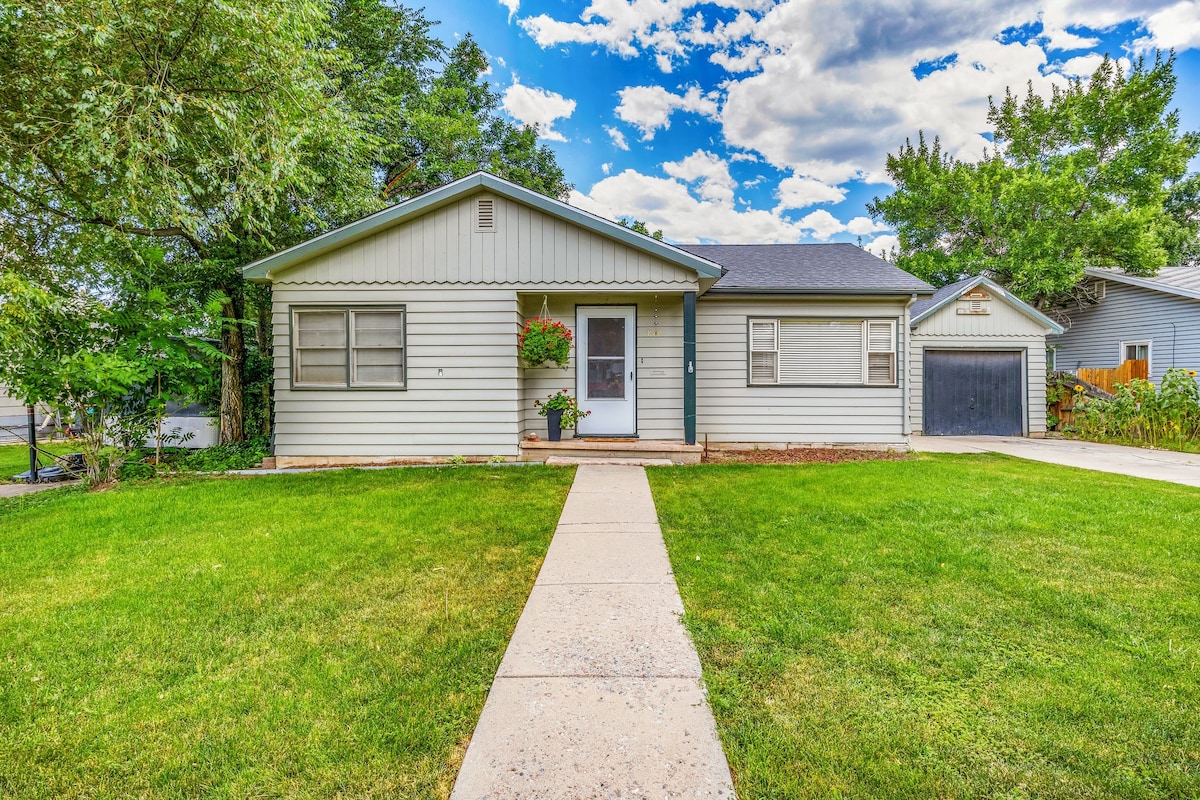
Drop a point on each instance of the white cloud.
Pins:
(512, 6)
(649, 108)
(800, 192)
(538, 108)
(864, 225)
(606, 167)
(715, 182)
(617, 136)
(883, 245)
(1177, 26)
(744, 157)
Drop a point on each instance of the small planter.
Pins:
(554, 424)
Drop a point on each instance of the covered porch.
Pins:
(633, 366)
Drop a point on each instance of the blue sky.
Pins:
(756, 120)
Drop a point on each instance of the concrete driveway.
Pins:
(1159, 465)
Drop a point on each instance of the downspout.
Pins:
(906, 425)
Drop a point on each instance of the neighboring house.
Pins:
(395, 336)
(14, 419)
(1156, 319)
(978, 356)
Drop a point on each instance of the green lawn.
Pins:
(316, 635)
(949, 627)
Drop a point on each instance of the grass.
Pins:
(951, 627)
(14, 458)
(318, 635)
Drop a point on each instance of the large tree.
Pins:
(225, 131)
(1095, 176)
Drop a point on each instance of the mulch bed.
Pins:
(801, 455)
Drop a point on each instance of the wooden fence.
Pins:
(1106, 379)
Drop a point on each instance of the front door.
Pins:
(604, 370)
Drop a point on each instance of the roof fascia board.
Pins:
(810, 293)
(1143, 283)
(995, 288)
(266, 268)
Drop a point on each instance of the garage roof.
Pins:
(946, 295)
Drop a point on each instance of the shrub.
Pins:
(1141, 413)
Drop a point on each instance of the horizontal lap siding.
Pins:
(1005, 328)
(659, 349)
(1094, 334)
(468, 333)
(728, 410)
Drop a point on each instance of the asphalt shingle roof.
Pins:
(949, 290)
(805, 269)
(1184, 281)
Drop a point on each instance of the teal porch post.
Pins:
(689, 367)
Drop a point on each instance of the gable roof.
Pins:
(265, 268)
(805, 269)
(1180, 281)
(923, 309)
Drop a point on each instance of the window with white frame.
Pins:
(348, 348)
(1138, 350)
(800, 352)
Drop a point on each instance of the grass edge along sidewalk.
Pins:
(326, 634)
(949, 626)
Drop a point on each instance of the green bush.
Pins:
(223, 457)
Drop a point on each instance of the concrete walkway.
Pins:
(1159, 465)
(18, 489)
(599, 694)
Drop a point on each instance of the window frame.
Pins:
(865, 352)
(348, 310)
(1121, 359)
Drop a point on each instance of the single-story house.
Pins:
(978, 362)
(396, 336)
(1156, 319)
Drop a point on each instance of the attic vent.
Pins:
(974, 302)
(485, 215)
(1099, 289)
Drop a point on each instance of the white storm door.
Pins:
(604, 370)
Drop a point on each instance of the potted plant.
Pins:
(544, 340)
(561, 411)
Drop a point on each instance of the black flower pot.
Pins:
(554, 424)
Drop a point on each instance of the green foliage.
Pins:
(1141, 413)
(544, 340)
(563, 401)
(94, 361)
(639, 226)
(1096, 176)
(225, 457)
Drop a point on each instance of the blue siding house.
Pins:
(1157, 319)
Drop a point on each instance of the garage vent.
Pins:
(975, 301)
(485, 215)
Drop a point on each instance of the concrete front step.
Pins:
(632, 461)
(674, 451)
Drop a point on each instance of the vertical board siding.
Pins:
(528, 248)
(1094, 333)
(1005, 328)
(471, 410)
(728, 410)
(659, 360)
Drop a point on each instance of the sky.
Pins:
(770, 121)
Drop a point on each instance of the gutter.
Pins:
(830, 292)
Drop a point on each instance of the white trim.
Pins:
(1144, 283)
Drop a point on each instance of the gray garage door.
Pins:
(973, 393)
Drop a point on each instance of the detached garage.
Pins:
(978, 362)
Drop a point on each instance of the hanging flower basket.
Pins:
(544, 340)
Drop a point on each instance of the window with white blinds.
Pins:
(802, 352)
(340, 348)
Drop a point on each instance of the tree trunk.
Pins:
(233, 346)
